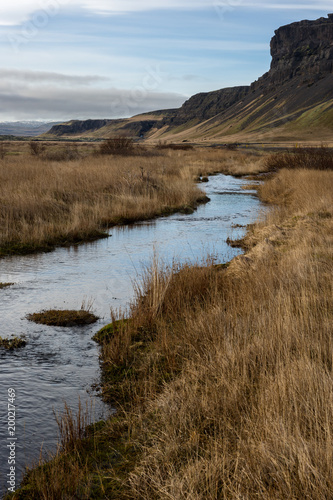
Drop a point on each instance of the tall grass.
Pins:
(224, 377)
(64, 196)
(248, 408)
(63, 474)
(315, 158)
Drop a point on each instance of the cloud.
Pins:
(54, 103)
(27, 77)
(318, 6)
(27, 95)
(39, 11)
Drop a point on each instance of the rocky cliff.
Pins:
(76, 127)
(302, 55)
(293, 98)
(137, 126)
(303, 49)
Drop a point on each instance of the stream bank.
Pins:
(60, 365)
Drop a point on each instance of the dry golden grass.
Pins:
(45, 202)
(249, 410)
(65, 476)
(224, 376)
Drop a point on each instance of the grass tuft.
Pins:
(13, 343)
(5, 285)
(66, 318)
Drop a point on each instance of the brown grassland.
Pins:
(69, 194)
(222, 375)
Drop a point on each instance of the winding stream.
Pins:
(61, 364)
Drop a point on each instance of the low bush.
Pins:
(310, 158)
(117, 146)
(36, 148)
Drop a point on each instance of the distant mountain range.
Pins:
(25, 128)
(292, 101)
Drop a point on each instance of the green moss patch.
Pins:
(63, 318)
(108, 331)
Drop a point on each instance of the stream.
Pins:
(62, 364)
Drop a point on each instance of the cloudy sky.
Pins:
(64, 59)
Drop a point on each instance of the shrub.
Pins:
(36, 148)
(116, 146)
(69, 153)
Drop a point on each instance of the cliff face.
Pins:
(300, 79)
(302, 52)
(303, 49)
(77, 127)
(206, 105)
(137, 127)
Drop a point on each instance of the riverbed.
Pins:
(61, 364)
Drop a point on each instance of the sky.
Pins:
(80, 59)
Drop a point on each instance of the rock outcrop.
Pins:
(302, 52)
(303, 49)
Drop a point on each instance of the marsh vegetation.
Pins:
(223, 375)
(69, 194)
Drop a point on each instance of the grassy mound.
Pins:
(107, 332)
(67, 318)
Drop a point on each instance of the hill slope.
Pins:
(137, 126)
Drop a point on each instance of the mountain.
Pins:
(292, 101)
(25, 129)
(138, 126)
